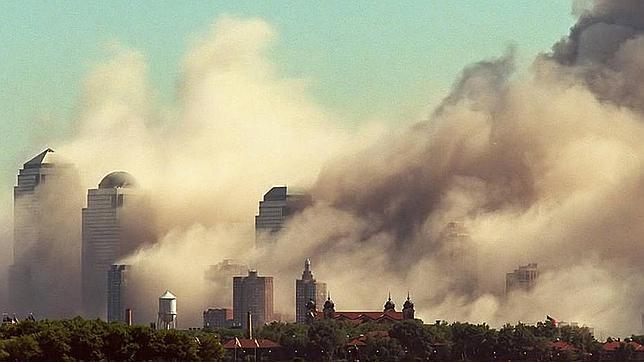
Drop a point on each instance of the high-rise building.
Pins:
(253, 294)
(274, 210)
(115, 223)
(307, 289)
(44, 276)
(117, 300)
(523, 278)
(459, 257)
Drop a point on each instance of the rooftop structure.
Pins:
(523, 278)
(275, 209)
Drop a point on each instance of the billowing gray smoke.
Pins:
(544, 166)
(605, 49)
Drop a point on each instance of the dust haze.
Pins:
(541, 166)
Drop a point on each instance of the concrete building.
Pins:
(117, 300)
(43, 278)
(274, 210)
(523, 278)
(307, 289)
(115, 224)
(253, 294)
(217, 318)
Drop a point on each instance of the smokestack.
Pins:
(249, 325)
(128, 316)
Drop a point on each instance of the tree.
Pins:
(117, 342)
(292, 336)
(382, 349)
(22, 348)
(177, 346)
(53, 340)
(326, 337)
(209, 348)
(85, 338)
(415, 339)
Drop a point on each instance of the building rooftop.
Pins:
(45, 157)
(117, 179)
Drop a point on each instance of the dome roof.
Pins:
(117, 179)
(408, 303)
(389, 305)
(329, 303)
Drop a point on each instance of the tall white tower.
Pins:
(167, 311)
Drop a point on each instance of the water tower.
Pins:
(167, 311)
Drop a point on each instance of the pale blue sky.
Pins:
(364, 59)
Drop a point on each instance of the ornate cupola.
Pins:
(408, 308)
(329, 308)
(389, 305)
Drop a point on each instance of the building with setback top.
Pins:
(115, 224)
(44, 276)
(275, 209)
(307, 289)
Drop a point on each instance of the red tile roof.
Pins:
(563, 346)
(245, 343)
(358, 317)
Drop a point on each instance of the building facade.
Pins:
(523, 278)
(43, 278)
(274, 210)
(117, 301)
(220, 278)
(217, 318)
(253, 294)
(113, 226)
(307, 289)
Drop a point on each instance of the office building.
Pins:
(43, 278)
(523, 278)
(114, 224)
(217, 318)
(117, 301)
(275, 209)
(307, 289)
(253, 294)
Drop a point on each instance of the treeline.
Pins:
(94, 340)
(413, 341)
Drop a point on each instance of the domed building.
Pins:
(113, 226)
(388, 314)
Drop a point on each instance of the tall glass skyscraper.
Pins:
(274, 210)
(114, 225)
(44, 276)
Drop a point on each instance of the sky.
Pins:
(363, 61)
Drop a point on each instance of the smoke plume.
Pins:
(543, 166)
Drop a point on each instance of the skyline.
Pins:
(510, 157)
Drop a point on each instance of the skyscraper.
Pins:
(117, 300)
(115, 223)
(44, 276)
(278, 205)
(523, 278)
(307, 289)
(252, 294)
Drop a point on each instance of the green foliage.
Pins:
(209, 348)
(326, 337)
(95, 340)
(383, 349)
(22, 348)
(292, 336)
